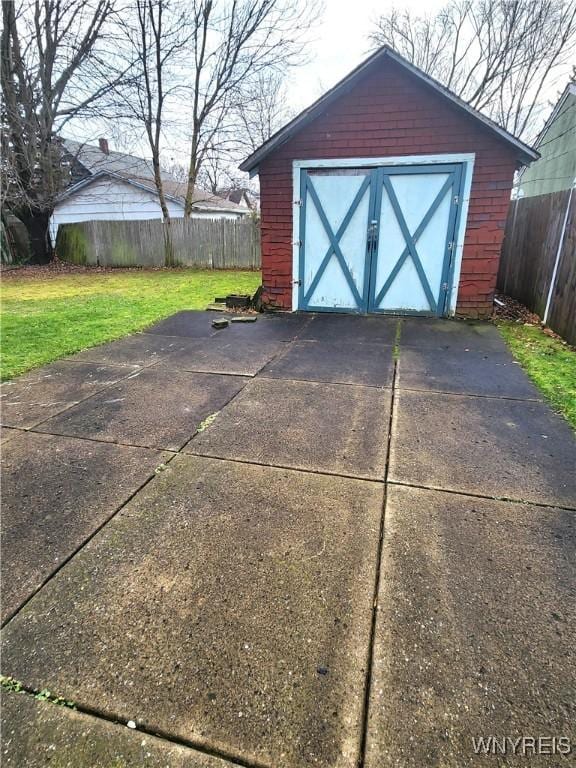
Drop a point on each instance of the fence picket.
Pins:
(533, 232)
(200, 243)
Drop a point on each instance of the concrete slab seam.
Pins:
(370, 654)
(163, 366)
(159, 734)
(35, 431)
(322, 381)
(305, 470)
(472, 394)
(473, 495)
(81, 546)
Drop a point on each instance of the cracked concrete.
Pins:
(304, 425)
(240, 602)
(153, 408)
(487, 446)
(35, 397)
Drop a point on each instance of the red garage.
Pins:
(388, 194)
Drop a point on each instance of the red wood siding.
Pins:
(390, 113)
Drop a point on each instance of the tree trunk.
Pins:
(168, 244)
(36, 223)
(192, 173)
(188, 202)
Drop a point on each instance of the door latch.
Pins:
(372, 234)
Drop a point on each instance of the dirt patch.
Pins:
(512, 310)
(58, 268)
(507, 308)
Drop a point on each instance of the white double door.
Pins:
(378, 239)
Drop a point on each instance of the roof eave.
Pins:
(219, 209)
(118, 176)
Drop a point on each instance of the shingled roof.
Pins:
(525, 153)
(90, 162)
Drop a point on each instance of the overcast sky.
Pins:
(341, 42)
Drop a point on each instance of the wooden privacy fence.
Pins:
(202, 243)
(541, 235)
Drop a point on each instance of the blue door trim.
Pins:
(301, 237)
(453, 227)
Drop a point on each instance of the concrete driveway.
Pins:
(310, 541)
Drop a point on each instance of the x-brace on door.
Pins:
(378, 239)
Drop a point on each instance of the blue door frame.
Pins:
(378, 180)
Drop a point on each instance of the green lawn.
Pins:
(550, 364)
(47, 317)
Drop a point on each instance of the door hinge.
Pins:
(456, 199)
(451, 245)
(297, 202)
(299, 243)
(445, 287)
(296, 282)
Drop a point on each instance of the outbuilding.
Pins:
(389, 194)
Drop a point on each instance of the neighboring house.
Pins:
(110, 186)
(556, 168)
(243, 197)
(388, 194)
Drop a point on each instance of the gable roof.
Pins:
(525, 153)
(94, 160)
(175, 191)
(136, 171)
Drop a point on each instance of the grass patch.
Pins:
(207, 421)
(46, 318)
(548, 362)
(10, 684)
(396, 350)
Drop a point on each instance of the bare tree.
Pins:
(498, 55)
(232, 44)
(260, 110)
(158, 37)
(53, 68)
(263, 109)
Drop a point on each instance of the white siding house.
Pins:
(114, 186)
(106, 197)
